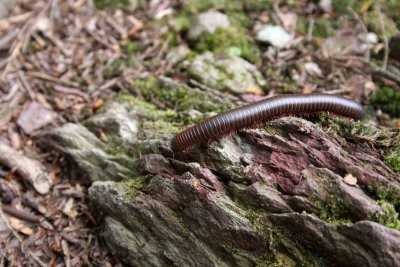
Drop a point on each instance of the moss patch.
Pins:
(232, 39)
(388, 217)
(332, 210)
(393, 161)
(178, 99)
(388, 100)
(133, 187)
(114, 4)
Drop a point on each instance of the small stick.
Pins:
(52, 79)
(29, 169)
(385, 39)
(20, 214)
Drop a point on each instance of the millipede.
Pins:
(262, 111)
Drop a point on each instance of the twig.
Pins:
(5, 23)
(64, 245)
(31, 170)
(310, 30)
(69, 90)
(374, 68)
(25, 84)
(52, 79)
(385, 39)
(20, 214)
(364, 28)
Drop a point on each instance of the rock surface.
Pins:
(266, 196)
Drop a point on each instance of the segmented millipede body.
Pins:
(263, 111)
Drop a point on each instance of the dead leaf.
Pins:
(20, 226)
(350, 179)
(67, 210)
(255, 90)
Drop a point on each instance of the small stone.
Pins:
(208, 22)
(35, 116)
(274, 35)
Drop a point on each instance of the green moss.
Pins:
(179, 99)
(388, 100)
(113, 4)
(353, 130)
(324, 28)
(342, 6)
(393, 161)
(332, 210)
(133, 187)
(132, 48)
(388, 194)
(114, 68)
(388, 217)
(393, 10)
(372, 21)
(223, 40)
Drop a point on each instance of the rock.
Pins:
(208, 22)
(34, 116)
(88, 152)
(346, 245)
(274, 35)
(330, 189)
(232, 74)
(233, 203)
(262, 196)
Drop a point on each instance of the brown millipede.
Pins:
(263, 111)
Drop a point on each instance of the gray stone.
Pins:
(274, 35)
(208, 22)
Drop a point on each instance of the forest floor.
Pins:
(61, 61)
